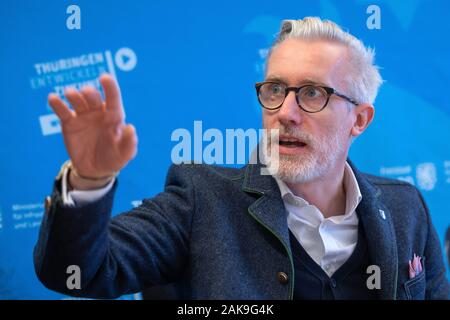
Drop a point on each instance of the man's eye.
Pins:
(276, 89)
(312, 92)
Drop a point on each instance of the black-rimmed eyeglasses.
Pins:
(310, 98)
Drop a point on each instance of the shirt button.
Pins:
(282, 277)
(333, 283)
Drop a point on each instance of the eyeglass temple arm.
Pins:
(345, 97)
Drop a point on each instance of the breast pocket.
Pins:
(415, 287)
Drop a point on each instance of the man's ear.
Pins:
(364, 114)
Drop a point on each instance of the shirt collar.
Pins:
(352, 192)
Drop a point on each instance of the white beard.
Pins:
(316, 159)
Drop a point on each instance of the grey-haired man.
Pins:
(316, 228)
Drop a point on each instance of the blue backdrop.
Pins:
(173, 61)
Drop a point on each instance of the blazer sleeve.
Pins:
(437, 286)
(140, 248)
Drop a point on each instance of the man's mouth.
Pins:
(289, 145)
(291, 142)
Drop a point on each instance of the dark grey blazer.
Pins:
(221, 233)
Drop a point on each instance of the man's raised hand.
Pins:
(95, 134)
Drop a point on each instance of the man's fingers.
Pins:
(112, 93)
(128, 142)
(60, 107)
(76, 100)
(92, 97)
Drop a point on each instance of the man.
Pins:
(316, 228)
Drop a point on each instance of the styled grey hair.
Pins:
(363, 79)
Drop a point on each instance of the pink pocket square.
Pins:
(415, 266)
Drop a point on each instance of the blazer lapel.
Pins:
(379, 228)
(269, 209)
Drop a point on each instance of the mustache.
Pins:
(295, 132)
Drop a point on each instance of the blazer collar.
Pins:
(268, 209)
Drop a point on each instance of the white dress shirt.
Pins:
(328, 241)
(81, 197)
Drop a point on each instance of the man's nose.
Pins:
(290, 113)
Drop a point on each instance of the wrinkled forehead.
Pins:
(298, 61)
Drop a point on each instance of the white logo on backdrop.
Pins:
(426, 176)
(125, 59)
(58, 75)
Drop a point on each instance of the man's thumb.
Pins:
(128, 142)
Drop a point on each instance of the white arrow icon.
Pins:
(125, 59)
